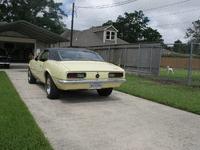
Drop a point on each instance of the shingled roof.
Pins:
(88, 37)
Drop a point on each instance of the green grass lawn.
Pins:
(181, 97)
(180, 74)
(18, 129)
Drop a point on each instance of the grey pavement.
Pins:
(83, 120)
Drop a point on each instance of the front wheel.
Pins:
(31, 78)
(52, 91)
(105, 92)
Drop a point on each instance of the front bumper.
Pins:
(90, 81)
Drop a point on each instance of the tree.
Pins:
(44, 13)
(177, 46)
(194, 32)
(133, 28)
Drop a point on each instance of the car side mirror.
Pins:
(36, 58)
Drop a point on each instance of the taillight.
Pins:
(115, 75)
(76, 75)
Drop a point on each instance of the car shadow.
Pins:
(79, 96)
(82, 96)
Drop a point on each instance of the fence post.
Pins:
(190, 65)
(125, 58)
(138, 61)
(159, 60)
(151, 58)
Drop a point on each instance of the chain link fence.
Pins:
(183, 60)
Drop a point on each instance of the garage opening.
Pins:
(19, 52)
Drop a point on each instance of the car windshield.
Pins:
(78, 55)
(2, 52)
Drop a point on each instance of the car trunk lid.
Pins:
(89, 66)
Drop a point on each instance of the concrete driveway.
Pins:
(83, 120)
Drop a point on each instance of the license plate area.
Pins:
(95, 85)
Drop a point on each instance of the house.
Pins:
(21, 38)
(96, 36)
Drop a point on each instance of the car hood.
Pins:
(89, 66)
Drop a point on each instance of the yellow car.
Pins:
(72, 69)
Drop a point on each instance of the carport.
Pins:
(21, 38)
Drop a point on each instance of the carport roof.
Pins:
(32, 31)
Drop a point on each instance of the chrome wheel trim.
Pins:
(48, 86)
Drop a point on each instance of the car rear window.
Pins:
(78, 55)
(2, 51)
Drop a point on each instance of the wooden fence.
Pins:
(175, 62)
(138, 58)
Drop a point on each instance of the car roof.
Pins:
(70, 49)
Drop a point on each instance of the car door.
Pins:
(40, 66)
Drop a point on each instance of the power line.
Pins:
(108, 5)
(98, 20)
(175, 13)
(180, 23)
(148, 9)
(166, 5)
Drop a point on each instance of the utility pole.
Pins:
(72, 25)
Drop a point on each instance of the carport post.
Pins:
(138, 61)
(125, 58)
(190, 65)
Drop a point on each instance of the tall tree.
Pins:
(133, 28)
(193, 33)
(44, 13)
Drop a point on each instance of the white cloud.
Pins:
(170, 17)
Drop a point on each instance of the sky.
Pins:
(171, 18)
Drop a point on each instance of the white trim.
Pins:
(104, 36)
(112, 27)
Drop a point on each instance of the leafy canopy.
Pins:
(44, 13)
(133, 28)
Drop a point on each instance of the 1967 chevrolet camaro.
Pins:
(72, 69)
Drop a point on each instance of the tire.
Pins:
(31, 78)
(7, 66)
(52, 91)
(105, 92)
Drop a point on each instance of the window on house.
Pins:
(110, 35)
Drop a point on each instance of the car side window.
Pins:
(44, 56)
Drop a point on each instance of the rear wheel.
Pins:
(105, 92)
(31, 78)
(52, 91)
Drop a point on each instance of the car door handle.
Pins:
(41, 65)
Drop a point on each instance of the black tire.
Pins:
(31, 78)
(52, 91)
(105, 92)
(7, 66)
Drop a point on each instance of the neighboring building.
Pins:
(106, 35)
(21, 38)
